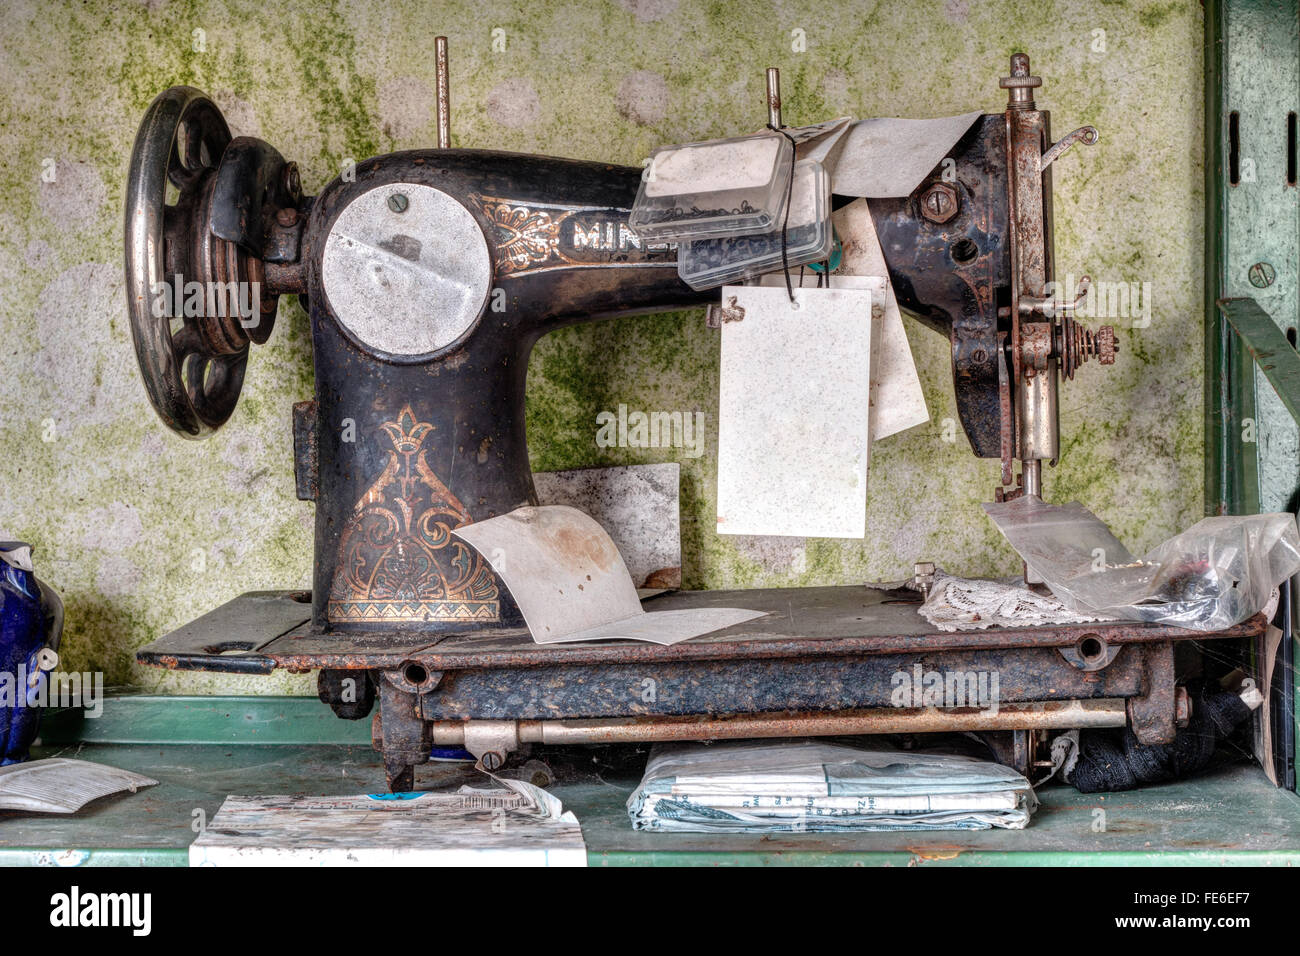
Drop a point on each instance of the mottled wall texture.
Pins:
(142, 531)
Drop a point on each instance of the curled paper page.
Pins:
(62, 785)
(889, 158)
(571, 584)
(821, 141)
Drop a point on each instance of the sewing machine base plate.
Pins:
(261, 631)
(818, 653)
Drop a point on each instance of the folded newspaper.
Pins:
(763, 786)
(514, 824)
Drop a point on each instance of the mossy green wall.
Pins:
(142, 531)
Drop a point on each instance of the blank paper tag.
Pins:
(794, 413)
(897, 401)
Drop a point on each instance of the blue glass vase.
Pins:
(31, 623)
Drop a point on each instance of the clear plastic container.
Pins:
(707, 263)
(719, 188)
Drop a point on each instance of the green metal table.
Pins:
(202, 748)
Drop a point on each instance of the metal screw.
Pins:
(398, 202)
(287, 217)
(492, 760)
(1020, 85)
(1262, 275)
(923, 577)
(292, 182)
(939, 203)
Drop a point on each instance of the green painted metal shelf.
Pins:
(201, 749)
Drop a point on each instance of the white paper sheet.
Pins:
(885, 158)
(821, 141)
(898, 401)
(794, 413)
(571, 584)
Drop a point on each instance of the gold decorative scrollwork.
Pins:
(398, 560)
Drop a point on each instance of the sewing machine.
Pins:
(428, 276)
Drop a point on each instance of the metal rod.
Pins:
(1044, 715)
(444, 93)
(774, 97)
(1032, 469)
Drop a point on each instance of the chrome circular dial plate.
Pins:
(406, 270)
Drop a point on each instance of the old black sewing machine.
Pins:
(428, 276)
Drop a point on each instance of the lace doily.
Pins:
(969, 604)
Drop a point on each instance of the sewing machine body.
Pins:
(428, 277)
(451, 420)
(560, 252)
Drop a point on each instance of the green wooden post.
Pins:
(1252, 251)
(1252, 244)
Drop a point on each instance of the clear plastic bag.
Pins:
(1215, 574)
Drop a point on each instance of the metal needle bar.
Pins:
(444, 95)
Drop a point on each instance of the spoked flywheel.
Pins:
(196, 297)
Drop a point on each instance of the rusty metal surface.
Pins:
(801, 621)
(948, 273)
(1033, 365)
(822, 651)
(228, 637)
(251, 178)
(404, 737)
(442, 73)
(940, 202)
(1153, 714)
(743, 686)
(306, 451)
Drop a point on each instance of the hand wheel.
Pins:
(192, 364)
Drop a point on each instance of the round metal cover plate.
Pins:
(406, 269)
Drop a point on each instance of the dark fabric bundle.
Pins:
(1111, 760)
